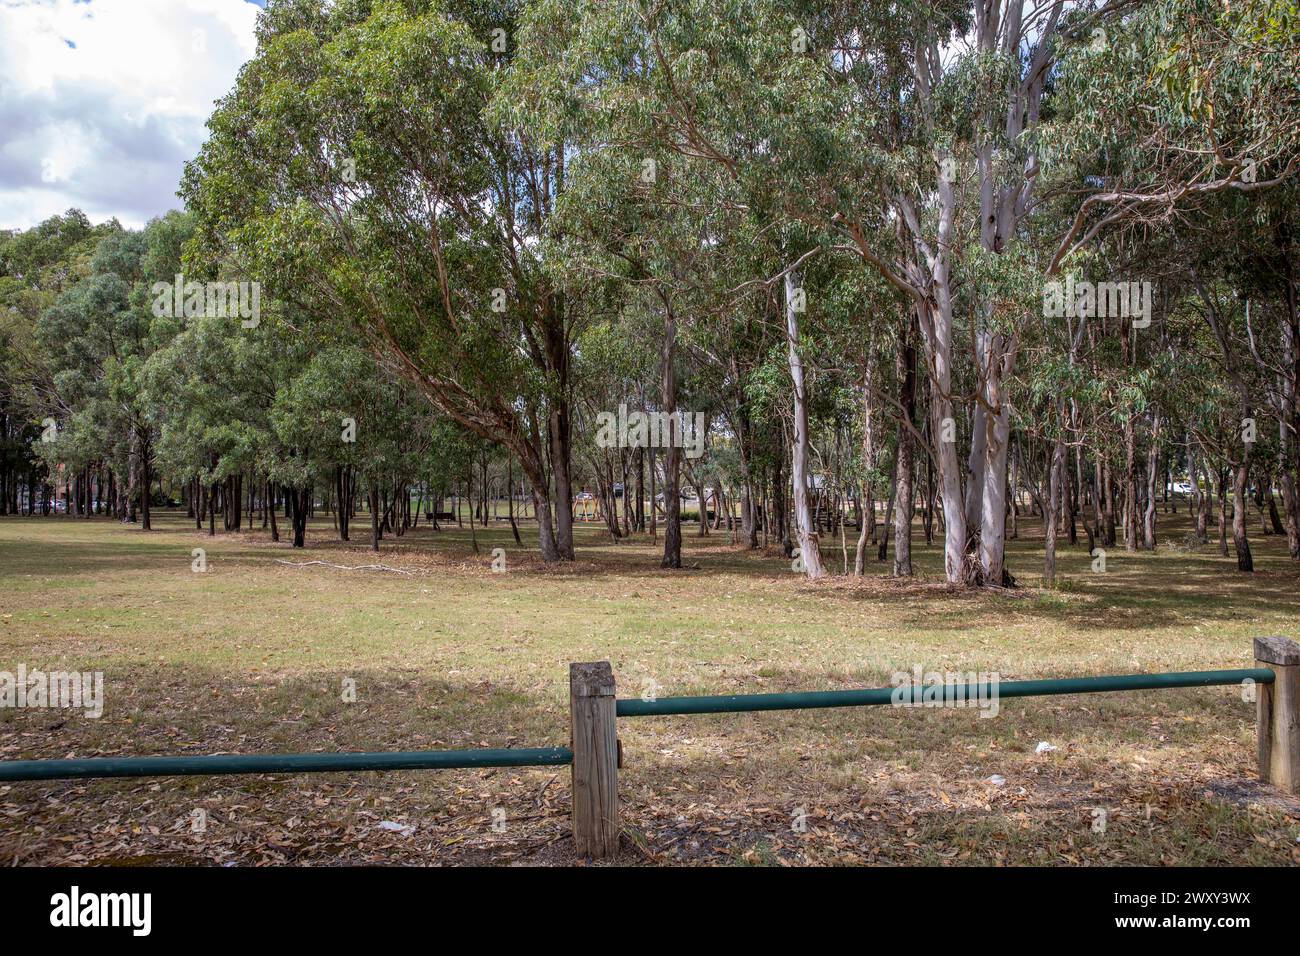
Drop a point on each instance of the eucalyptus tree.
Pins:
(360, 170)
(617, 365)
(1226, 319)
(1213, 129)
(363, 425)
(924, 134)
(796, 300)
(1240, 264)
(644, 226)
(98, 336)
(734, 349)
(19, 465)
(212, 387)
(37, 265)
(742, 87)
(603, 81)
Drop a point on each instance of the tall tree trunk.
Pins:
(340, 511)
(1274, 518)
(977, 458)
(1245, 561)
(1221, 489)
(936, 324)
(1291, 509)
(373, 499)
(146, 482)
(213, 490)
(1056, 473)
(1289, 400)
(625, 460)
(640, 490)
(534, 472)
(1014, 491)
(1073, 492)
(301, 509)
(274, 491)
(1130, 485)
(561, 472)
(510, 499)
(1149, 517)
(469, 496)
(883, 551)
(779, 497)
(809, 551)
(1000, 365)
(672, 454)
(928, 520)
(654, 508)
(1194, 499)
(1217, 324)
(1108, 495)
(904, 497)
(697, 483)
(866, 506)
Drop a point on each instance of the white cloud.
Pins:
(103, 101)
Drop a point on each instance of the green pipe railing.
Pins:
(911, 695)
(281, 763)
(951, 693)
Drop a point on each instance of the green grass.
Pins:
(250, 656)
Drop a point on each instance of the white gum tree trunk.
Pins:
(808, 544)
(978, 443)
(936, 326)
(1001, 363)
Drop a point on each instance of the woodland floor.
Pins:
(250, 656)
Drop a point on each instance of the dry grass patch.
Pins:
(250, 656)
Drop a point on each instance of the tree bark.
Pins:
(1245, 561)
(1056, 472)
(866, 505)
(672, 454)
(936, 324)
(904, 497)
(1000, 365)
(809, 551)
(1149, 517)
(373, 499)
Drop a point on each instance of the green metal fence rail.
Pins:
(948, 693)
(595, 753)
(281, 763)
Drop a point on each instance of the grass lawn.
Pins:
(251, 656)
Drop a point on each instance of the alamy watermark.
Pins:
(922, 688)
(75, 908)
(208, 300)
(62, 690)
(1098, 300)
(626, 429)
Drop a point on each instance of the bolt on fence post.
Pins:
(593, 725)
(1278, 713)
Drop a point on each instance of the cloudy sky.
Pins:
(103, 101)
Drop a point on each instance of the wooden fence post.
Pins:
(1278, 714)
(595, 759)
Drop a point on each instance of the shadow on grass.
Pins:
(1136, 592)
(730, 763)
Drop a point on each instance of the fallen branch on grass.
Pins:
(345, 567)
